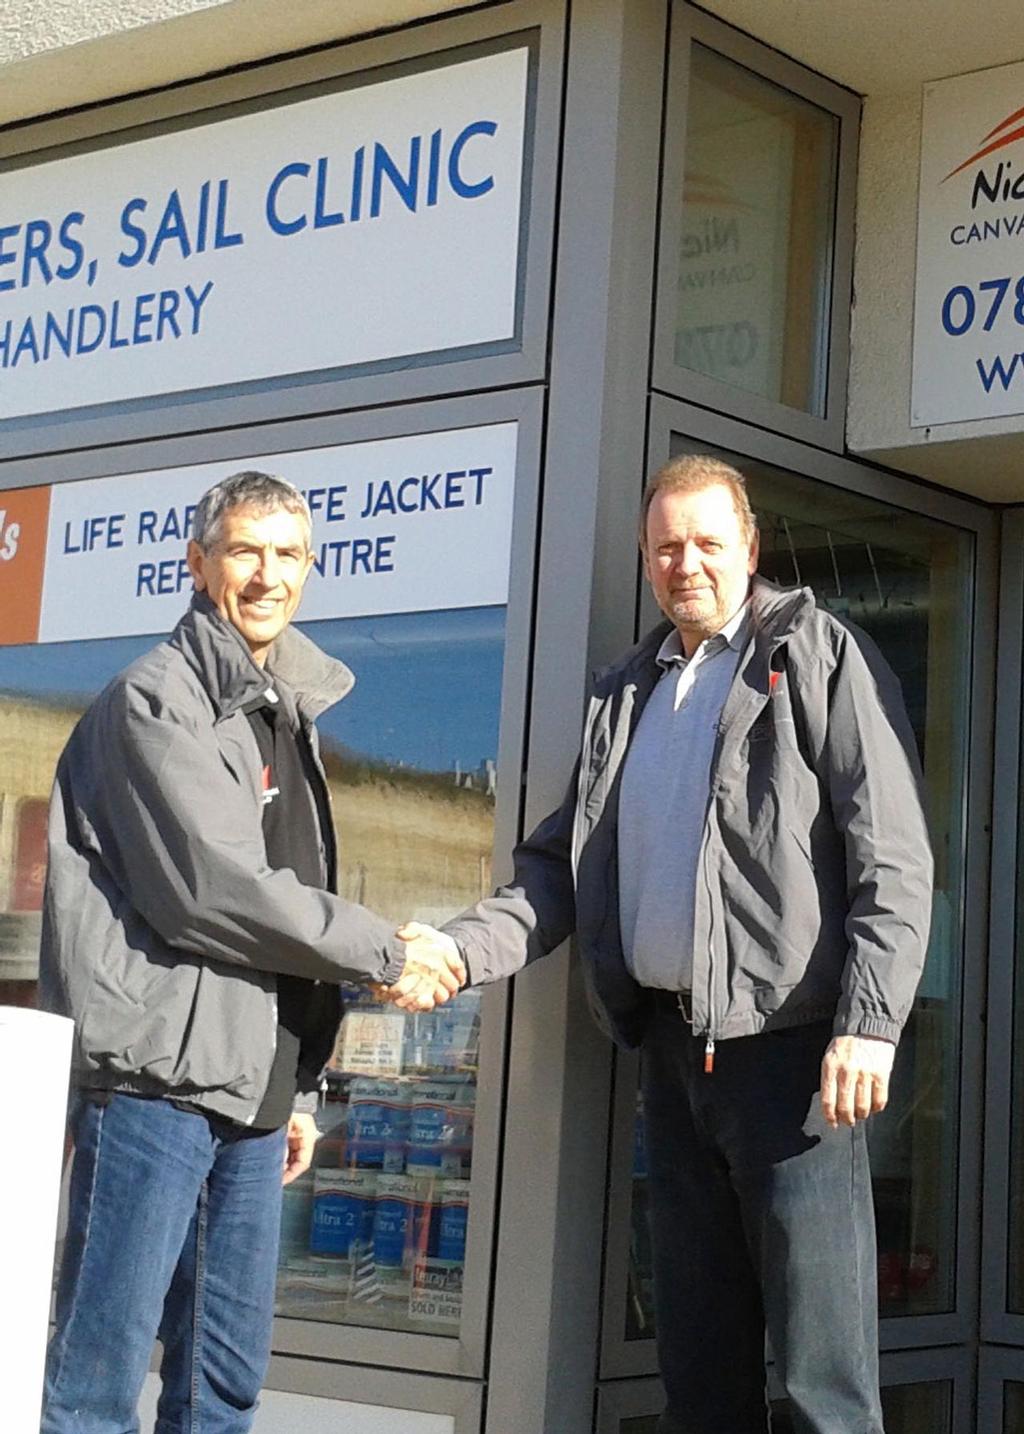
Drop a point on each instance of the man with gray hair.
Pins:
(743, 856)
(191, 930)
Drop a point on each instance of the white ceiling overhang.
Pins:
(883, 46)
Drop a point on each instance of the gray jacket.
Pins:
(163, 927)
(813, 894)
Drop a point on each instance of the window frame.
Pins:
(537, 24)
(465, 1354)
(690, 27)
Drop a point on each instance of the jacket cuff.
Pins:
(472, 957)
(476, 971)
(305, 1102)
(394, 961)
(881, 1028)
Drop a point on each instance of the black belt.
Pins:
(681, 1002)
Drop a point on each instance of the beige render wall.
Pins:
(31, 27)
(884, 260)
(60, 54)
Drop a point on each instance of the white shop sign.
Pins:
(412, 524)
(969, 302)
(362, 226)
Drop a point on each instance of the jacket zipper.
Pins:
(709, 1048)
(270, 696)
(709, 1039)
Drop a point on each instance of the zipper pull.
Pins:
(709, 1056)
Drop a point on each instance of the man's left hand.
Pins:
(302, 1139)
(855, 1078)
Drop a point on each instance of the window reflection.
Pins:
(376, 1232)
(755, 243)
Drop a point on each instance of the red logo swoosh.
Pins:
(1010, 119)
(1000, 143)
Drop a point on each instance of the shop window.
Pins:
(754, 263)
(905, 580)
(375, 1234)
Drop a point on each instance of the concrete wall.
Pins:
(60, 54)
(32, 27)
(884, 257)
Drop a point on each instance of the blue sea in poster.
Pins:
(427, 694)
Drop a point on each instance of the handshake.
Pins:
(434, 970)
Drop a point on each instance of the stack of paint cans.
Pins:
(451, 1235)
(441, 1129)
(344, 1204)
(401, 1228)
(387, 1201)
(378, 1123)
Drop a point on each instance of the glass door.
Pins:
(908, 581)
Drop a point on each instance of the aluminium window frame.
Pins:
(465, 1355)
(690, 27)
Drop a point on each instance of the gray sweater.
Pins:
(666, 783)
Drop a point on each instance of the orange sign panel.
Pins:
(24, 517)
(30, 856)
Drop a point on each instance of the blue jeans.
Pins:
(761, 1220)
(173, 1230)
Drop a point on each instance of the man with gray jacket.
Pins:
(743, 856)
(191, 930)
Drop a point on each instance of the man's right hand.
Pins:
(434, 969)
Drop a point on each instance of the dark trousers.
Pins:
(761, 1220)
